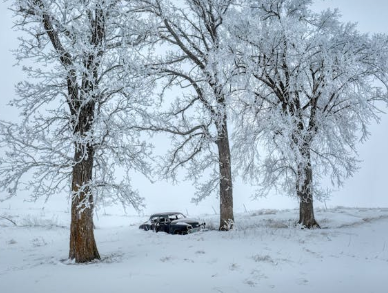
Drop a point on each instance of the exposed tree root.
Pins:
(312, 224)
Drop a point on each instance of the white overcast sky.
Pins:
(368, 188)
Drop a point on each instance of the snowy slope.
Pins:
(265, 253)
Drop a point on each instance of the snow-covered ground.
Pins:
(265, 253)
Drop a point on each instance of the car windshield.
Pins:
(153, 219)
(176, 217)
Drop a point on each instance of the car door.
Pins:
(164, 224)
(154, 222)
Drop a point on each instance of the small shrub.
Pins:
(12, 241)
(263, 258)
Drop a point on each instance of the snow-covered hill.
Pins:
(265, 253)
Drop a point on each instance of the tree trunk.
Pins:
(305, 192)
(83, 246)
(226, 186)
(306, 213)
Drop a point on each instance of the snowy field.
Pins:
(265, 253)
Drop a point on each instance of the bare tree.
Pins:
(311, 92)
(190, 34)
(76, 119)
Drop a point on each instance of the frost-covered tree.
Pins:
(188, 39)
(77, 110)
(312, 88)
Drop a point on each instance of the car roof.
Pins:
(166, 214)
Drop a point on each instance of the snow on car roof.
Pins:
(166, 214)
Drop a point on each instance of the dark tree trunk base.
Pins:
(227, 217)
(226, 227)
(306, 214)
(83, 248)
(310, 225)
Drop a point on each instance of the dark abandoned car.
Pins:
(172, 223)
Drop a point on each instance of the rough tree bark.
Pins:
(305, 192)
(83, 246)
(226, 184)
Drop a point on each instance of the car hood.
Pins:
(185, 221)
